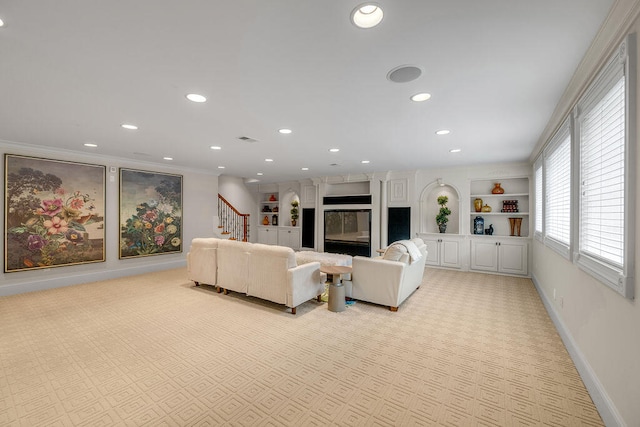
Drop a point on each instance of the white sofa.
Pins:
(264, 271)
(385, 281)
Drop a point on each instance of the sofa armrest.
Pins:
(304, 282)
(377, 280)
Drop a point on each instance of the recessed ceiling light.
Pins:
(305, 169)
(259, 174)
(220, 167)
(365, 162)
(90, 144)
(1, 23)
(128, 126)
(443, 132)
(215, 147)
(268, 160)
(334, 150)
(419, 97)
(194, 97)
(168, 158)
(285, 131)
(367, 15)
(455, 150)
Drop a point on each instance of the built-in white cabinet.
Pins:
(268, 235)
(289, 236)
(508, 256)
(442, 251)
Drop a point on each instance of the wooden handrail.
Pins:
(233, 231)
(226, 202)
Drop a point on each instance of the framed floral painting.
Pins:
(54, 213)
(150, 213)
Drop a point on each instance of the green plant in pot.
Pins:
(443, 215)
(294, 212)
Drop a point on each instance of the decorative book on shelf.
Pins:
(510, 206)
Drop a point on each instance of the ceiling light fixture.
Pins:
(455, 150)
(129, 127)
(367, 15)
(259, 174)
(305, 169)
(365, 162)
(90, 144)
(168, 158)
(220, 167)
(268, 160)
(194, 97)
(215, 147)
(419, 97)
(334, 150)
(1, 23)
(443, 132)
(285, 131)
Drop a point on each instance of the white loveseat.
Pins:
(264, 271)
(389, 281)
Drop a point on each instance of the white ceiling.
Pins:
(72, 71)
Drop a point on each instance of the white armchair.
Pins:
(386, 282)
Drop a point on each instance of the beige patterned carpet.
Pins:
(465, 349)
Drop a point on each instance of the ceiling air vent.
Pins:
(247, 139)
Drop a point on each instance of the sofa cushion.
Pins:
(394, 252)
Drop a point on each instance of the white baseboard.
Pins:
(605, 406)
(76, 279)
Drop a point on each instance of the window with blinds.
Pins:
(606, 194)
(602, 158)
(557, 185)
(538, 189)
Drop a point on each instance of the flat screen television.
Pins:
(348, 231)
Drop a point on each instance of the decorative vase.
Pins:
(442, 227)
(486, 208)
(497, 189)
(293, 222)
(477, 204)
(478, 225)
(265, 220)
(516, 226)
(272, 198)
(274, 220)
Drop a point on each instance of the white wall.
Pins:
(600, 327)
(200, 191)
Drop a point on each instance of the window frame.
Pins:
(539, 199)
(623, 62)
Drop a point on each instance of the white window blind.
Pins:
(602, 177)
(557, 164)
(538, 207)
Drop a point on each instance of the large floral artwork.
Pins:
(54, 213)
(150, 213)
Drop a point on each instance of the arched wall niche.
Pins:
(285, 204)
(429, 207)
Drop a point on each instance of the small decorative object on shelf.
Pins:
(272, 198)
(443, 215)
(274, 220)
(478, 225)
(489, 231)
(275, 209)
(265, 220)
(266, 209)
(497, 189)
(486, 208)
(516, 224)
(510, 206)
(477, 205)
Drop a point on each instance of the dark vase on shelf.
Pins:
(274, 220)
(478, 225)
(442, 227)
(497, 189)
